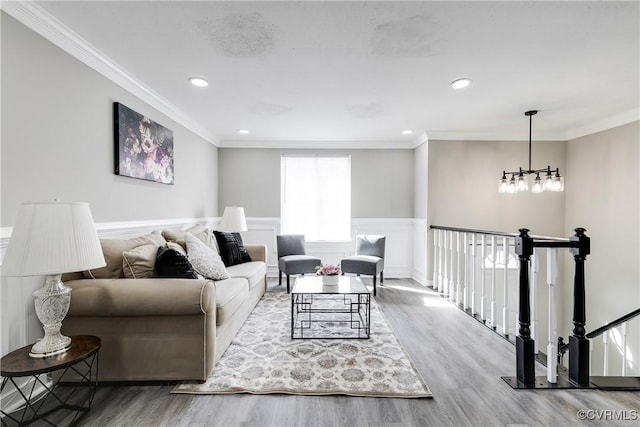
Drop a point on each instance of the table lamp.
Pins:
(233, 220)
(48, 239)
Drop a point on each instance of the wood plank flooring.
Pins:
(461, 361)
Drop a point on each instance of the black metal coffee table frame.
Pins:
(309, 301)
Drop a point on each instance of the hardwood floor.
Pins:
(461, 361)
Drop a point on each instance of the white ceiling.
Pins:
(358, 73)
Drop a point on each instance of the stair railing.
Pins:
(455, 276)
(606, 330)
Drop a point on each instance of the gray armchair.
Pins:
(369, 258)
(293, 258)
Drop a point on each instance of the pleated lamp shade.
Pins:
(233, 219)
(52, 238)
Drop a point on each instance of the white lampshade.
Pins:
(233, 219)
(52, 238)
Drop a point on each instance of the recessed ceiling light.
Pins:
(243, 131)
(198, 81)
(407, 132)
(460, 83)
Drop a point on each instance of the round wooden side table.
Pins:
(65, 381)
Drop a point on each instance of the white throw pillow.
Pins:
(205, 260)
(139, 262)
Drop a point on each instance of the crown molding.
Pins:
(605, 124)
(489, 136)
(40, 21)
(320, 145)
(44, 24)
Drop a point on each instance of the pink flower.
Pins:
(328, 270)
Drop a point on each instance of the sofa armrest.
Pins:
(257, 252)
(141, 297)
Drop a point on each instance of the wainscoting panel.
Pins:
(263, 231)
(420, 251)
(405, 257)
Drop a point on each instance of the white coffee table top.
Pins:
(313, 285)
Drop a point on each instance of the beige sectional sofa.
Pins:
(162, 328)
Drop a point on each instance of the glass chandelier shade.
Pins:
(552, 180)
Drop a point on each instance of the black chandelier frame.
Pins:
(553, 181)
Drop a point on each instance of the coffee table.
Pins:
(342, 311)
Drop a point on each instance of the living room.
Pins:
(58, 142)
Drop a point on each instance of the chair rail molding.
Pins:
(405, 258)
(399, 251)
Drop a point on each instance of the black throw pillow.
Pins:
(232, 250)
(172, 264)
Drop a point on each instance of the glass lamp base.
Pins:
(52, 303)
(39, 353)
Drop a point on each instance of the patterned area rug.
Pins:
(263, 359)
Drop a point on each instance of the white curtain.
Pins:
(316, 197)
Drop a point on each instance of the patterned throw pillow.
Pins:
(232, 249)
(205, 260)
(170, 263)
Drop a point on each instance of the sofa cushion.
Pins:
(231, 295)
(253, 271)
(231, 248)
(139, 262)
(140, 297)
(113, 249)
(177, 247)
(205, 260)
(199, 231)
(173, 265)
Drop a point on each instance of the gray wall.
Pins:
(421, 180)
(603, 197)
(463, 186)
(381, 181)
(602, 192)
(57, 140)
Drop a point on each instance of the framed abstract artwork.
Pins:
(143, 148)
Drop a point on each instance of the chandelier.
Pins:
(550, 181)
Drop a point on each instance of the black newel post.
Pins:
(578, 343)
(525, 349)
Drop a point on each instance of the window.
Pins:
(315, 197)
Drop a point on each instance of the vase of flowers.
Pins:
(330, 274)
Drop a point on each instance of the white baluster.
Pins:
(534, 304)
(434, 282)
(482, 279)
(458, 262)
(605, 345)
(451, 282)
(552, 348)
(472, 274)
(624, 348)
(505, 307)
(465, 294)
(445, 271)
(493, 282)
(590, 357)
(440, 260)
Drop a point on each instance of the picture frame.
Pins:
(143, 149)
